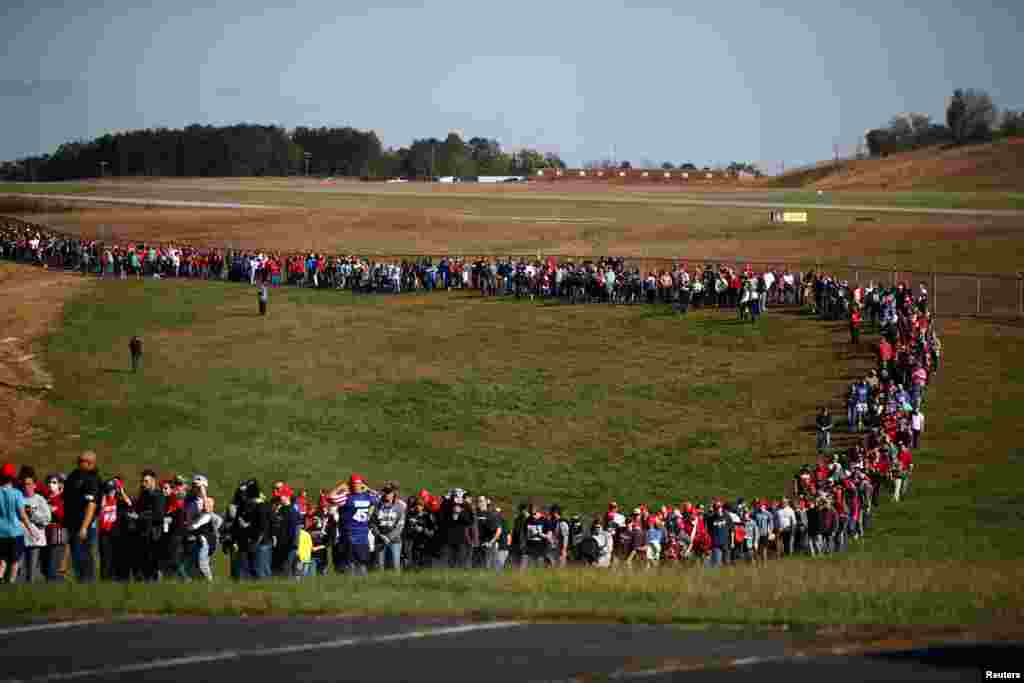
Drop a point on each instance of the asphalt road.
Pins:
(681, 201)
(391, 649)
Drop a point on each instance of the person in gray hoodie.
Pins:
(388, 525)
(38, 512)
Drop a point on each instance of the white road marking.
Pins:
(48, 627)
(231, 655)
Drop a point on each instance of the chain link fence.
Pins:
(951, 294)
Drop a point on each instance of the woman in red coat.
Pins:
(56, 542)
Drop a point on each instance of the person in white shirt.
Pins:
(785, 523)
(769, 280)
(916, 427)
(605, 543)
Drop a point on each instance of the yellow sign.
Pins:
(794, 217)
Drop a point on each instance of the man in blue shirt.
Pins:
(355, 515)
(13, 522)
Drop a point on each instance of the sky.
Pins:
(703, 82)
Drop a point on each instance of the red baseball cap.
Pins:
(355, 478)
(9, 471)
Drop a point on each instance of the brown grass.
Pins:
(647, 230)
(30, 305)
(992, 166)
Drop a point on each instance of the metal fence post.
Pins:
(978, 307)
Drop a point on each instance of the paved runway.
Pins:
(682, 201)
(392, 649)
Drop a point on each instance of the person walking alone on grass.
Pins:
(263, 296)
(824, 427)
(135, 348)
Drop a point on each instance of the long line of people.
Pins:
(607, 279)
(172, 529)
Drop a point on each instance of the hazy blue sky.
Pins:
(706, 82)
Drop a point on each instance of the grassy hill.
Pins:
(992, 166)
(576, 405)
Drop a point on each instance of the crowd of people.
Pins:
(606, 279)
(172, 528)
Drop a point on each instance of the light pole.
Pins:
(308, 156)
(103, 167)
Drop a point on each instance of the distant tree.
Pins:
(1012, 123)
(876, 141)
(687, 167)
(970, 115)
(554, 161)
(625, 165)
(667, 166)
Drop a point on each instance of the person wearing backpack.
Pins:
(558, 534)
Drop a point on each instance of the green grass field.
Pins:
(575, 405)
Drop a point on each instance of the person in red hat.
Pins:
(13, 522)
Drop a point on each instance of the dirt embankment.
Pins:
(991, 166)
(31, 303)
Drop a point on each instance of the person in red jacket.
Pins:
(885, 356)
(903, 466)
(855, 326)
(107, 523)
(56, 536)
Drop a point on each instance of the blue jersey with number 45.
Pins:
(355, 517)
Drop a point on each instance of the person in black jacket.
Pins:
(255, 522)
(420, 529)
(814, 527)
(456, 521)
(233, 535)
(720, 528)
(148, 516)
(285, 524)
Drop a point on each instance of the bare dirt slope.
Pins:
(992, 166)
(31, 302)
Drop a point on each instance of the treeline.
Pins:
(971, 117)
(735, 168)
(257, 150)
